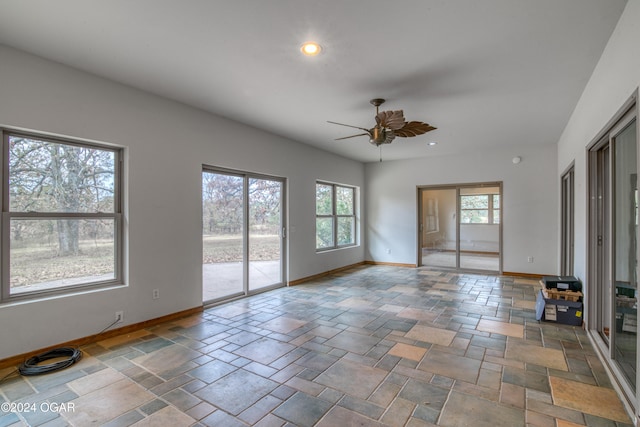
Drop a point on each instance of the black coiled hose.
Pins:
(32, 365)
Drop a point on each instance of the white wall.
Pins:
(614, 80)
(529, 214)
(166, 145)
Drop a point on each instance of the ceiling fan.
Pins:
(389, 125)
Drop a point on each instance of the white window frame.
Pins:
(8, 216)
(335, 216)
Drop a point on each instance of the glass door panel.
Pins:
(265, 233)
(480, 228)
(624, 254)
(438, 227)
(222, 235)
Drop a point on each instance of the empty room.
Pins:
(301, 213)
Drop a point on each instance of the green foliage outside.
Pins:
(49, 178)
(344, 205)
(223, 218)
(476, 209)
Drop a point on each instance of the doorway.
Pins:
(243, 240)
(460, 226)
(566, 224)
(612, 246)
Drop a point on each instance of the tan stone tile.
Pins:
(466, 410)
(229, 311)
(325, 331)
(417, 314)
(107, 403)
(447, 286)
(403, 289)
(123, 339)
(392, 308)
(451, 366)
(339, 416)
(167, 358)
(563, 423)
(527, 305)
(187, 322)
(539, 420)
(504, 362)
(489, 379)
(96, 381)
(352, 378)
(502, 328)
(514, 395)
(398, 413)
(432, 335)
(358, 303)
(587, 398)
(549, 357)
(283, 325)
(167, 416)
(406, 351)
(477, 390)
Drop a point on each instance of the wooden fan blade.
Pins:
(352, 136)
(351, 126)
(413, 129)
(391, 119)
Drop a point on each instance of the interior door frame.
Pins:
(567, 220)
(246, 176)
(457, 187)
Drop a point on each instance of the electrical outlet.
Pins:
(530, 259)
(156, 293)
(388, 250)
(119, 316)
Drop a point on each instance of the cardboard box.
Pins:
(559, 311)
(562, 295)
(562, 283)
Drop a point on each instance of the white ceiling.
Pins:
(486, 73)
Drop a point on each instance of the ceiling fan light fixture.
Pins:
(311, 49)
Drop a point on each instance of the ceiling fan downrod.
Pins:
(377, 102)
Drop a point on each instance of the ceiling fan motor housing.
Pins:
(380, 136)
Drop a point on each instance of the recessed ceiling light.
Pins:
(432, 143)
(311, 48)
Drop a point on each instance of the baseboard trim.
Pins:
(391, 264)
(525, 275)
(324, 274)
(18, 359)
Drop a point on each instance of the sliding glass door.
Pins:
(265, 232)
(613, 248)
(438, 227)
(242, 234)
(460, 226)
(479, 227)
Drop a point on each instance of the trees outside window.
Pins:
(62, 214)
(335, 216)
(480, 209)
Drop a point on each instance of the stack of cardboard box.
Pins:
(560, 300)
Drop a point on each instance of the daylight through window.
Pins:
(480, 209)
(335, 216)
(61, 215)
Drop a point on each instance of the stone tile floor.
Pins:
(370, 346)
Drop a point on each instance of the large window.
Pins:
(480, 209)
(335, 216)
(61, 215)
